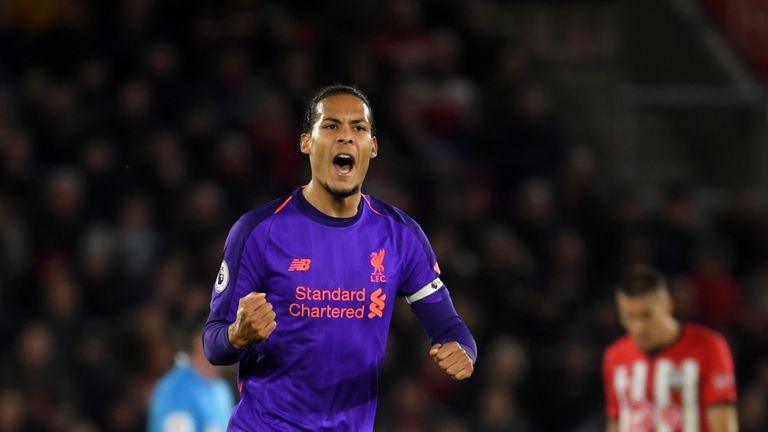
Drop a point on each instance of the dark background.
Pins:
(542, 146)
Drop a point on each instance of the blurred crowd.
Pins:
(134, 133)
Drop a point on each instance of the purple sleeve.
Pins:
(419, 262)
(238, 276)
(216, 344)
(439, 319)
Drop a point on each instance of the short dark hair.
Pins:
(326, 92)
(640, 280)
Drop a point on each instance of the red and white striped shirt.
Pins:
(669, 390)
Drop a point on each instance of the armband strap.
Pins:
(425, 291)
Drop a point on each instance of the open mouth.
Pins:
(343, 164)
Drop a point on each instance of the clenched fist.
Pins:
(453, 360)
(254, 323)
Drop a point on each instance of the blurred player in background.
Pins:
(306, 290)
(191, 397)
(664, 375)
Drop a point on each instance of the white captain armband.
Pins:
(425, 291)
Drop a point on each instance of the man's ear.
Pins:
(304, 143)
(374, 147)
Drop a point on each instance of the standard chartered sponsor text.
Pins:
(312, 310)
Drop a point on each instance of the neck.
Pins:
(674, 330)
(330, 204)
(671, 333)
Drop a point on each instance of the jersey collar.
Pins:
(316, 215)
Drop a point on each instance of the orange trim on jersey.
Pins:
(283, 205)
(365, 197)
(241, 386)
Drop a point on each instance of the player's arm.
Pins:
(719, 387)
(223, 342)
(254, 323)
(722, 418)
(611, 402)
(453, 347)
(240, 314)
(216, 345)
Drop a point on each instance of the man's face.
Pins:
(644, 317)
(340, 145)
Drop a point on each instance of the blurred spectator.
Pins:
(15, 247)
(743, 226)
(535, 217)
(18, 161)
(531, 143)
(12, 414)
(717, 295)
(191, 396)
(402, 46)
(752, 417)
(676, 231)
(62, 309)
(499, 412)
(508, 364)
(33, 369)
(137, 242)
(59, 223)
(99, 160)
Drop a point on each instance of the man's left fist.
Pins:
(453, 360)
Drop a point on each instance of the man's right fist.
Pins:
(254, 323)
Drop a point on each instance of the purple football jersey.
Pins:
(333, 283)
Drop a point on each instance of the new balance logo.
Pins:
(376, 307)
(300, 264)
